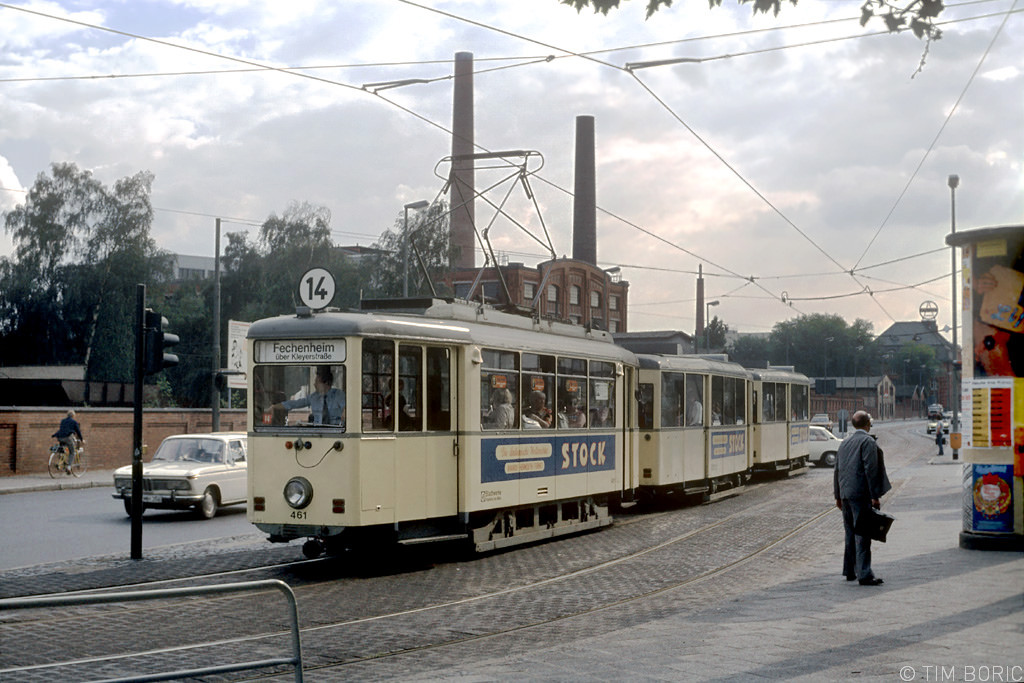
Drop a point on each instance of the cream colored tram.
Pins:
(694, 426)
(780, 431)
(437, 438)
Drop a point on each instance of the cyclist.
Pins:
(66, 433)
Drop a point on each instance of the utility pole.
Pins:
(954, 390)
(214, 390)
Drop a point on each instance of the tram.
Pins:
(695, 434)
(423, 420)
(780, 434)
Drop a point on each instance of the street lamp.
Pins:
(707, 319)
(421, 204)
(954, 391)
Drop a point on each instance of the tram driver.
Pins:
(326, 402)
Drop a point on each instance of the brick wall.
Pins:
(25, 433)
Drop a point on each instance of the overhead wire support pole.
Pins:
(214, 390)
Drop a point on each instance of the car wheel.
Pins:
(828, 459)
(128, 506)
(208, 505)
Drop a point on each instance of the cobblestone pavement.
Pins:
(673, 595)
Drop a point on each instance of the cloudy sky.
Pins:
(797, 149)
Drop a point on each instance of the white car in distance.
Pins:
(823, 446)
(201, 472)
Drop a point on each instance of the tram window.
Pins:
(602, 395)
(781, 409)
(694, 400)
(377, 384)
(767, 401)
(645, 409)
(439, 386)
(741, 400)
(572, 393)
(717, 391)
(800, 402)
(499, 390)
(410, 386)
(673, 392)
(538, 390)
(300, 395)
(728, 400)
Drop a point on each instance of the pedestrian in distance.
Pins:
(939, 438)
(859, 481)
(66, 433)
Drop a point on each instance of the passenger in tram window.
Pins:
(600, 417)
(695, 413)
(716, 415)
(574, 417)
(537, 414)
(502, 415)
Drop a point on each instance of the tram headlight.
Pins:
(298, 492)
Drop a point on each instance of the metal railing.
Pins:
(135, 596)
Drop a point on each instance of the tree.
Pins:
(714, 334)
(751, 351)
(430, 233)
(916, 15)
(67, 296)
(261, 280)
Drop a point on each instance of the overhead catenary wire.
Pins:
(264, 67)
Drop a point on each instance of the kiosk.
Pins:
(991, 435)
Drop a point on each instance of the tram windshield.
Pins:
(310, 396)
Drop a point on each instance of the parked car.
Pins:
(823, 446)
(822, 420)
(202, 472)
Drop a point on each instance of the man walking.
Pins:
(939, 439)
(859, 481)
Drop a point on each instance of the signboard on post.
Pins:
(238, 359)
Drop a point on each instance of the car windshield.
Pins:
(191, 450)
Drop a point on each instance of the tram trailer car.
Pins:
(440, 431)
(694, 426)
(780, 432)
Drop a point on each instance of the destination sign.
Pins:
(319, 351)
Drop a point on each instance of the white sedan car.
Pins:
(823, 446)
(202, 472)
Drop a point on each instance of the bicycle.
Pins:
(59, 461)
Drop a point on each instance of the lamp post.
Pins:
(954, 391)
(707, 320)
(421, 204)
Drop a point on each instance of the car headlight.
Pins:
(298, 493)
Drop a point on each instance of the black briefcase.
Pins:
(874, 524)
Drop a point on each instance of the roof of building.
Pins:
(924, 332)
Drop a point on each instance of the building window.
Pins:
(574, 295)
(613, 303)
(613, 326)
(595, 299)
(553, 294)
(529, 291)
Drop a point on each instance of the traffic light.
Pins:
(156, 342)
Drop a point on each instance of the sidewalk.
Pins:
(41, 481)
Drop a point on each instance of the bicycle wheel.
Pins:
(78, 464)
(53, 466)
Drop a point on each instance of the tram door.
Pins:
(628, 432)
(408, 397)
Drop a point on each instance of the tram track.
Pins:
(528, 604)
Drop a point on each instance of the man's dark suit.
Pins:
(858, 479)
